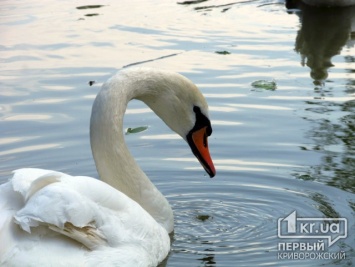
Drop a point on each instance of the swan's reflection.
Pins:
(323, 34)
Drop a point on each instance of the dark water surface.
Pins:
(276, 150)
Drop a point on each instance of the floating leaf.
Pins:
(136, 130)
(263, 84)
(222, 52)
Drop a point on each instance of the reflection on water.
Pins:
(333, 136)
(323, 34)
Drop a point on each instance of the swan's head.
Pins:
(181, 105)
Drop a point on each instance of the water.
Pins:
(275, 151)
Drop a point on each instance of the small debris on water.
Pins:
(136, 130)
(223, 52)
(203, 217)
(266, 85)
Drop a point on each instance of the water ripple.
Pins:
(240, 220)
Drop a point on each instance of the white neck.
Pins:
(114, 162)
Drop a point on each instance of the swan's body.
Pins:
(50, 218)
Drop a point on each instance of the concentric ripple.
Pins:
(214, 219)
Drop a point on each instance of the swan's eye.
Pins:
(202, 121)
(209, 130)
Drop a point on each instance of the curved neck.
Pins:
(114, 162)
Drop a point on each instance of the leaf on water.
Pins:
(222, 52)
(263, 84)
(136, 130)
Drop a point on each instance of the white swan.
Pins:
(49, 218)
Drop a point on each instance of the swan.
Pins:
(49, 218)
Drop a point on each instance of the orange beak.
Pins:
(199, 146)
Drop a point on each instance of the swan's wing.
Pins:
(76, 206)
(88, 211)
(24, 178)
(52, 202)
(43, 247)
